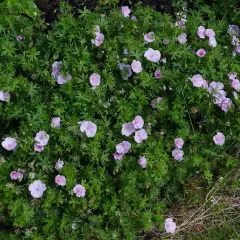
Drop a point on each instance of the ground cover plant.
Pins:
(106, 117)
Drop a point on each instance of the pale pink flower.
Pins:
(140, 135)
(177, 154)
(219, 94)
(158, 74)
(4, 96)
(126, 11)
(235, 41)
(128, 129)
(170, 225)
(19, 38)
(201, 52)
(37, 188)
(149, 37)
(178, 142)
(205, 84)
(232, 75)
(61, 79)
(216, 88)
(60, 180)
(98, 39)
(224, 103)
(56, 66)
(7, 96)
(236, 84)
(212, 42)
(165, 41)
(201, 32)
(95, 79)
(96, 29)
(142, 161)
(197, 80)
(134, 18)
(59, 164)
(138, 122)
(210, 33)
(233, 30)
(20, 173)
(181, 23)
(79, 190)
(136, 66)
(182, 38)
(123, 147)
(219, 139)
(42, 138)
(17, 175)
(9, 143)
(164, 60)
(38, 147)
(118, 156)
(55, 123)
(155, 101)
(152, 55)
(89, 128)
(14, 175)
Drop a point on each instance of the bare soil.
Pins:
(50, 6)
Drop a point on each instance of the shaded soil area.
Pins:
(50, 6)
(165, 6)
(159, 5)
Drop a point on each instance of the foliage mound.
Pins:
(122, 197)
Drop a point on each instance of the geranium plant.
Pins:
(105, 117)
